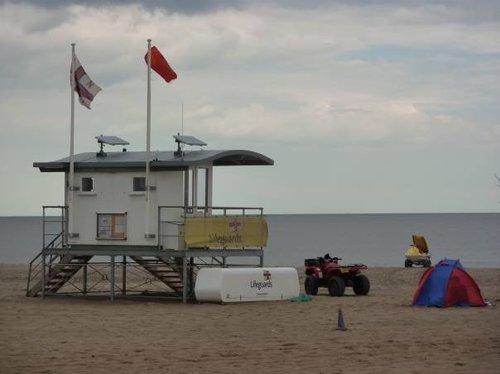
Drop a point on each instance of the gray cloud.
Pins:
(337, 81)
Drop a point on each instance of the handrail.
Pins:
(51, 244)
(210, 209)
(178, 219)
(30, 270)
(49, 223)
(36, 266)
(34, 272)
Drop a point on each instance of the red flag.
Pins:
(160, 65)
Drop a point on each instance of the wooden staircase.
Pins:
(59, 274)
(164, 270)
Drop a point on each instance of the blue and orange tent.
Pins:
(447, 284)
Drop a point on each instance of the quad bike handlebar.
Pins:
(320, 260)
(328, 258)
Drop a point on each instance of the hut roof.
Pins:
(160, 160)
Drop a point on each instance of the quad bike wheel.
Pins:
(361, 285)
(408, 263)
(336, 286)
(311, 285)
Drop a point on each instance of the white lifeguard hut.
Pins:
(142, 229)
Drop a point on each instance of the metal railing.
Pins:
(171, 221)
(54, 235)
(38, 269)
(55, 226)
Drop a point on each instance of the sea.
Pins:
(373, 239)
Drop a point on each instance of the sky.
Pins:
(364, 106)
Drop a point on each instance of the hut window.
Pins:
(112, 226)
(139, 184)
(87, 184)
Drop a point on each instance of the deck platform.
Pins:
(145, 271)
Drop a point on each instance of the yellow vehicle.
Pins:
(418, 253)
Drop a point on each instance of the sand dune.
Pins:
(385, 334)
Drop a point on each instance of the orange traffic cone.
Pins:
(340, 321)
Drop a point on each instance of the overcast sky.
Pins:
(365, 106)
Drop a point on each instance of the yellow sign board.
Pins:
(226, 232)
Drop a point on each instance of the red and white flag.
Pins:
(82, 84)
(160, 65)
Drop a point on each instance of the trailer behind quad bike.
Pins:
(418, 253)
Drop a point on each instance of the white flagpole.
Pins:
(71, 147)
(148, 141)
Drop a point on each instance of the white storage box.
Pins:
(228, 285)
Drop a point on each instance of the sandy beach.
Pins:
(385, 333)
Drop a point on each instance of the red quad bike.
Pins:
(326, 272)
